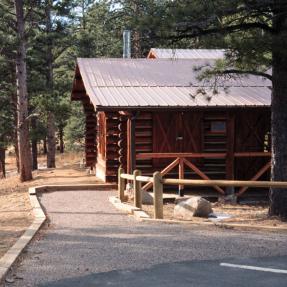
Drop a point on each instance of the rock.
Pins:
(146, 198)
(9, 280)
(194, 206)
(129, 191)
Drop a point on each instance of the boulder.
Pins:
(129, 191)
(194, 206)
(146, 198)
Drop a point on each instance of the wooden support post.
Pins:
(121, 185)
(133, 143)
(181, 176)
(131, 134)
(158, 195)
(137, 190)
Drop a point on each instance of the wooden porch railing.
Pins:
(159, 182)
(181, 161)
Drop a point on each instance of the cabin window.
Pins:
(218, 127)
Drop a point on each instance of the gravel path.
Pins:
(87, 235)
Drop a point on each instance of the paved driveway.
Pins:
(89, 243)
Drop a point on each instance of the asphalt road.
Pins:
(89, 243)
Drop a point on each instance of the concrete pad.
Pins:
(114, 199)
(139, 214)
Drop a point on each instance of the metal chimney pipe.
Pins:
(127, 44)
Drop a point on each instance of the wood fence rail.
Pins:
(200, 155)
(158, 183)
(182, 160)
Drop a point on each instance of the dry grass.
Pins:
(240, 214)
(15, 209)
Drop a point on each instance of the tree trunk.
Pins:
(137, 45)
(34, 154)
(15, 136)
(2, 163)
(136, 34)
(278, 197)
(61, 139)
(45, 150)
(34, 145)
(22, 97)
(17, 154)
(51, 141)
(51, 126)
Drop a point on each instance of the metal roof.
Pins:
(186, 53)
(143, 83)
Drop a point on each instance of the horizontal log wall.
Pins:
(112, 147)
(144, 141)
(91, 140)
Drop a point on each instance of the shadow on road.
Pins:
(183, 274)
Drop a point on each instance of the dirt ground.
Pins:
(15, 210)
(255, 214)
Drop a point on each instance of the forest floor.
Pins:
(15, 209)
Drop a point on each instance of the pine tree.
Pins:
(256, 34)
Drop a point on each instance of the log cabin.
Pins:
(157, 115)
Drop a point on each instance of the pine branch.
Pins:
(197, 31)
(246, 72)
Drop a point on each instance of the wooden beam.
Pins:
(131, 138)
(152, 155)
(181, 155)
(158, 195)
(129, 170)
(201, 174)
(181, 176)
(235, 183)
(137, 189)
(252, 154)
(163, 172)
(255, 177)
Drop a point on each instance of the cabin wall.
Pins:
(206, 131)
(252, 134)
(108, 149)
(91, 139)
(213, 131)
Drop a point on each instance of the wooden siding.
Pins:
(185, 132)
(251, 128)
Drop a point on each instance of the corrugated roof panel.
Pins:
(180, 97)
(164, 83)
(187, 53)
(147, 73)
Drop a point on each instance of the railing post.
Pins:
(181, 176)
(121, 185)
(158, 195)
(137, 190)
